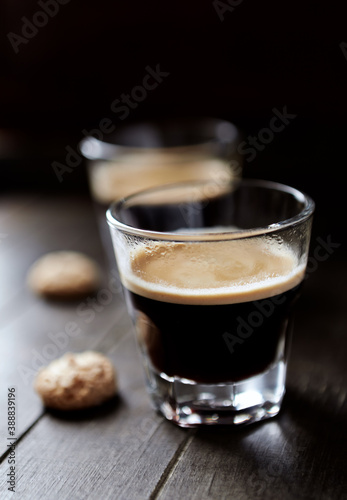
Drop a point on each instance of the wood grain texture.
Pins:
(302, 453)
(117, 451)
(124, 449)
(32, 329)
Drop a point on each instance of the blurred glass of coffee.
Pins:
(149, 154)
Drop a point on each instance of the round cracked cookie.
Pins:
(76, 381)
(64, 274)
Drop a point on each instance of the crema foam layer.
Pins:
(211, 273)
(114, 180)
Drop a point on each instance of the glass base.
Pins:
(190, 404)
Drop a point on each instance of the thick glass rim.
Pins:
(203, 235)
(225, 133)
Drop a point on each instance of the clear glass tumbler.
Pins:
(148, 154)
(211, 272)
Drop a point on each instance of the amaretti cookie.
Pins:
(64, 274)
(76, 381)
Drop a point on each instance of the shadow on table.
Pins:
(96, 412)
(315, 412)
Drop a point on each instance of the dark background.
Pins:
(263, 55)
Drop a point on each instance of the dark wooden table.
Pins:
(124, 450)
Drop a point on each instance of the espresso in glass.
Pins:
(212, 306)
(212, 313)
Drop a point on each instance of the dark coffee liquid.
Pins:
(212, 343)
(215, 312)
